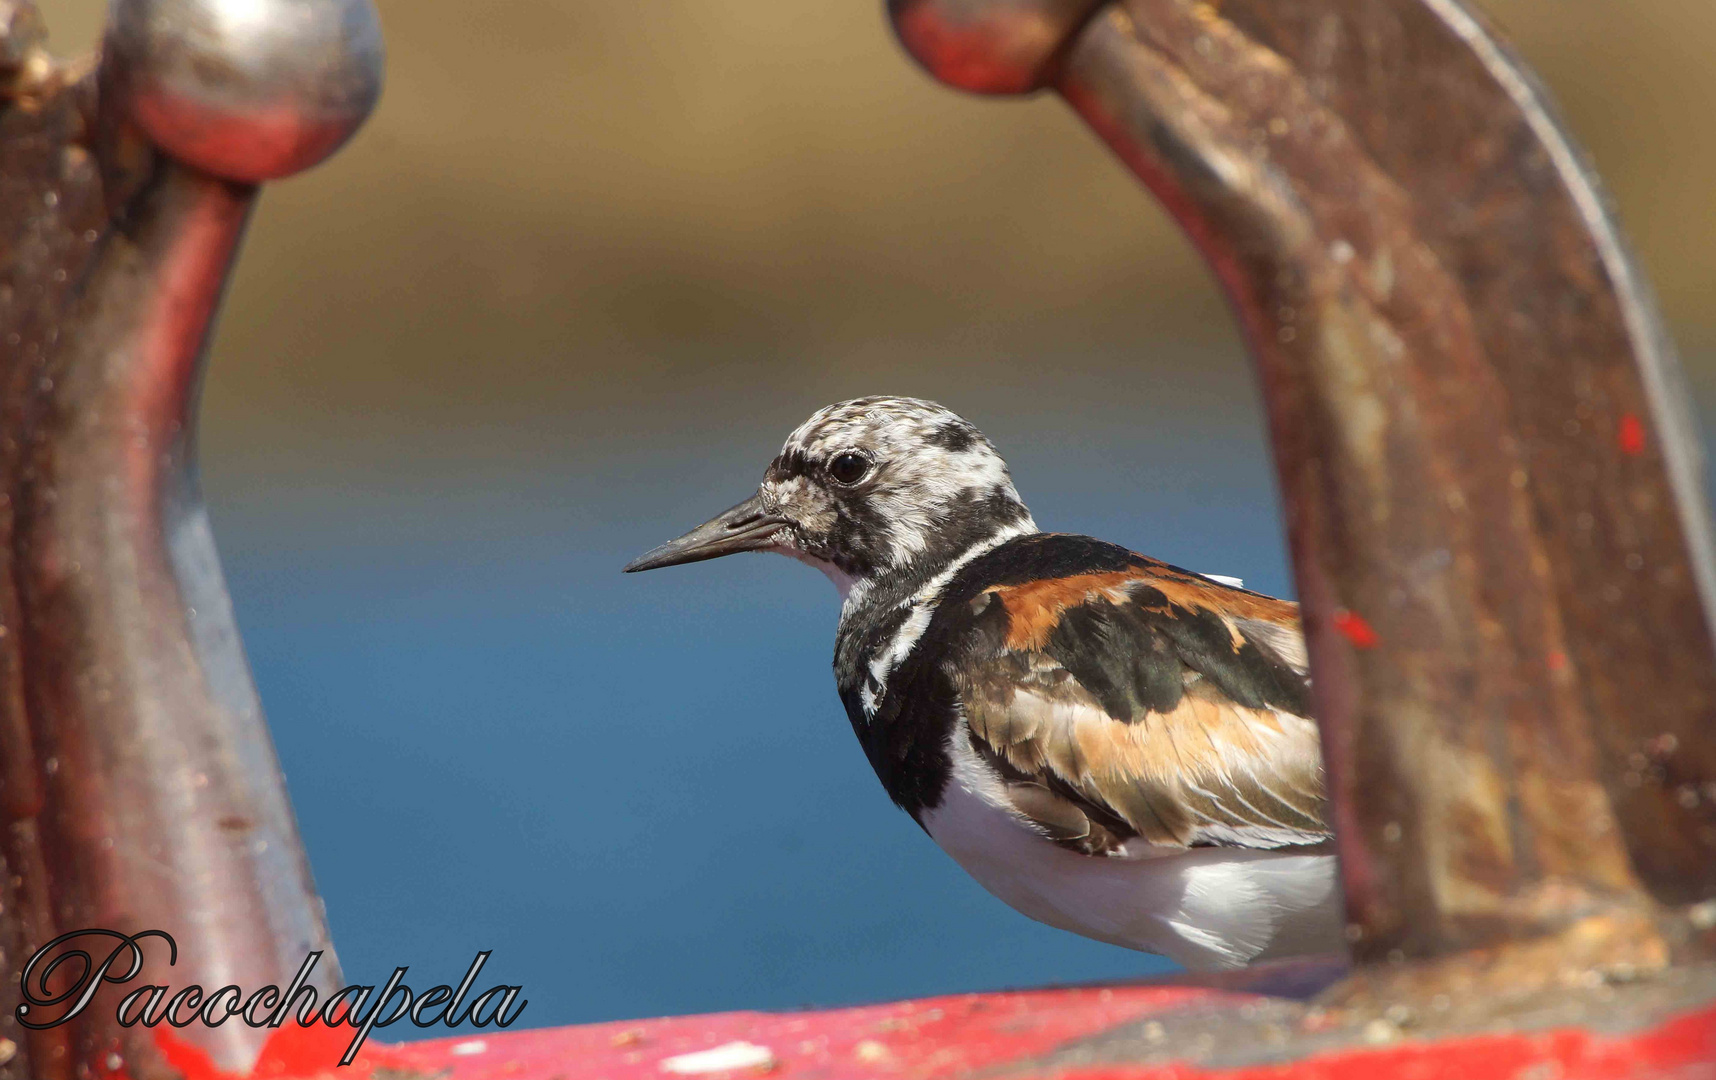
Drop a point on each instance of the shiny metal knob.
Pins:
(989, 46)
(248, 90)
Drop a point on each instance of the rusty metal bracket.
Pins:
(1492, 485)
(1492, 482)
(138, 782)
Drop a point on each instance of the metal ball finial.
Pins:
(989, 46)
(248, 90)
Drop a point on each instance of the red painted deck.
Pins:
(955, 1036)
(945, 1036)
(1014, 1034)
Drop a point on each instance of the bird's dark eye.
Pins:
(848, 468)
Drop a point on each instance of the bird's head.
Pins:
(865, 489)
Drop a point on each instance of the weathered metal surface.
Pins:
(1490, 477)
(50, 199)
(1639, 1031)
(137, 779)
(1250, 1024)
(1662, 1028)
(1492, 499)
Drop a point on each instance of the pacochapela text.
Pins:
(268, 1007)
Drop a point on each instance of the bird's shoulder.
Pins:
(1118, 698)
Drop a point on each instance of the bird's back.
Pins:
(1111, 744)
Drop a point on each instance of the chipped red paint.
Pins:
(291, 1052)
(1630, 435)
(1356, 629)
(927, 1038)
(956, 1036)
(1682, 1049)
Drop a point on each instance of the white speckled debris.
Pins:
(733, 1055)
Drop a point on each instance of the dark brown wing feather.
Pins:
(1145, 702)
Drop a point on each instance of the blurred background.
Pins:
(562, 299)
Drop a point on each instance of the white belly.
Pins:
(1206, 907)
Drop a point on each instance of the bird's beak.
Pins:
(746, 527)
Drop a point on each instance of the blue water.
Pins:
(641, 791)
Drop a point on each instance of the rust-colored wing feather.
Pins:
(1146, 702)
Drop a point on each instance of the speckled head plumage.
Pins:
(868, 488)
(879, 484)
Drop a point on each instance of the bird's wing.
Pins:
(1147, 702)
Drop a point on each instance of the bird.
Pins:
(1110, 744)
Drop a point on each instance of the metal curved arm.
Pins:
(1492, 483)
(140, 786)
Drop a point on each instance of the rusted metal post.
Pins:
(1491, 479)
(137, 778)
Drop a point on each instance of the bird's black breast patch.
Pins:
(906, 738)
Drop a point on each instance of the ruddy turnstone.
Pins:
(1108, 743)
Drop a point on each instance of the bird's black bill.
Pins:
(746, 527)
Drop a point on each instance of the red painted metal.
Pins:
(1310, 147)
(945, 1036)
(999, 1034)
(1682, 1049)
